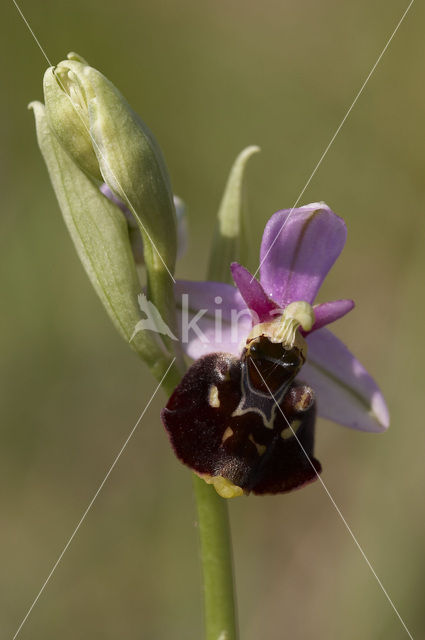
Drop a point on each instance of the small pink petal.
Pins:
(253, 293)
(328, 312)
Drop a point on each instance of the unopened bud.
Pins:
(108, 141)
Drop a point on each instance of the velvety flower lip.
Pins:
(298, 249)
(236, 450)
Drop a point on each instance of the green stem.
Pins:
(216, 554)
(216, 558)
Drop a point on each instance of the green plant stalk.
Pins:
(217, 566)
(216, 558)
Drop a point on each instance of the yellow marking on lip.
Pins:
(227, 434)
(304, 402)
(260, 447)
(213, 399)
(289, 432)
(224, 487)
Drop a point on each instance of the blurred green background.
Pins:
(209, 78)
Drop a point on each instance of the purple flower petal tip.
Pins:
(380, 410)
(108, 193)
(328, 312)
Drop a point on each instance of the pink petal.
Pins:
(299, 247)
(328, 312)
(221, 320)
(253, 293)
(346, 393)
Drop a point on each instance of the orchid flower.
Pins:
(243, 415)
(298, 249)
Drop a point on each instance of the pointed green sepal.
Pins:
(230, 234)
(66, 111)
(99, 232)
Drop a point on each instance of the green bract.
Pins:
(88, 135)
(230, 236)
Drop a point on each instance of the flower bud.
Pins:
(98, 129)
(67, 113)
(100, 236)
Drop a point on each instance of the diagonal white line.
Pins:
(335, 505)
(130, 206)
(83, 517)
(341, 124)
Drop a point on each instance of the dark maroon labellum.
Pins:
(223, 421)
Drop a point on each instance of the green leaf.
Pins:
(99, 232)
(229, 241)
